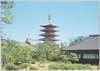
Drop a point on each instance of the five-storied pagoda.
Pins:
(49, 33)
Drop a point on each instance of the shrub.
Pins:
(48, 61)
(25, 65)
(79, 67)
(30, 58)
(63, 58)
(68, 62)
(66, 66)
(11, 67)
(58, 66)
(33, 62)
(34, 68)
(33, 54)
(73, 57)
(25, 60)
(88, 64)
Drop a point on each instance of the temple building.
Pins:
(87, 50)
(32, 41)
(49, 33)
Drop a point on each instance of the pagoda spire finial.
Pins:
(49, 16)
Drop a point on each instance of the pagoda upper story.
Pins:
(49, 32)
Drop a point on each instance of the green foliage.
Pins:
(66, 57)
(66, 66)
(88, 64)
(11, 67)
(62, 52)
(15, 53)
(54, 55)
(6, 11)
(25, 60)
(80, 67)
(58, 66)
(25, 65)
(73, 57)
(34, 68)
(33, 54)
(77, 40)
(43, 52)
(48, 61)
(63, 45)
(33, 62)
(63, 58)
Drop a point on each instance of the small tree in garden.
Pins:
(33, 54)
(42, 53)
(63, 58)
(54, 55)
(73, 57)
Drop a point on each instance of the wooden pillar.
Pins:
(81, 55)
(98, 56)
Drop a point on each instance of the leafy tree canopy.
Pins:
(6, 11)
(15, 53)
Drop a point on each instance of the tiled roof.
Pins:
(91, 43)
(32, 41)
(47, 24)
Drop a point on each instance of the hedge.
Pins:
(67, 66)
(11, 67)
(34, 68)
(33, 62)
(25, 65)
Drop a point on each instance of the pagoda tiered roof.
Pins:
(45, 30)
(49, 24)
(48, 35)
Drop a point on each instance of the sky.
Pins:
(74, 18)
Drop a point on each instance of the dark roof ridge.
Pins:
(32, 39)
(94, 35)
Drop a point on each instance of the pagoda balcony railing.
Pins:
(49, 38)
(50, 33)
(49, 29)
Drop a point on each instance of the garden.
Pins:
(16, 56)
